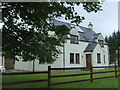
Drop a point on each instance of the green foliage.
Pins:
(113, 42)
(26, 28)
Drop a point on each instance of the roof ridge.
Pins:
(71, 23)
(84, 27)
(96, 33)
(74, 25)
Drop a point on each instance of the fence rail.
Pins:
(82, 74)
(91, 74)
(50, 76)
(81, 80)
(22, 82)
(22, 73)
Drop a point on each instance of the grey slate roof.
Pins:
(86, 34)
(96, 35)
(59, 23)
(90, 47)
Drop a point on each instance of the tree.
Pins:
(26, 28)
(114, 46)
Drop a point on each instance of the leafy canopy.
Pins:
(26, 27)
(114, 46)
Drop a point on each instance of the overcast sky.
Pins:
(105, 21)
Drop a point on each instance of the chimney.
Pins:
(90, 26)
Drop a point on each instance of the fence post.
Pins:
(115, 70)
(91, 73)
(49, 76)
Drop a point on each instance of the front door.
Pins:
(88, 60)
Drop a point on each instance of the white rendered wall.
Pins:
(75, 48)
(102, 52)
(100, 37)
(69, 48)
(1, 60)
(20, 65)
(57, 64)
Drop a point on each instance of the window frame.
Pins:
(101, 42)
(74, 39)
(104, 59)
(77, 57)
(98, 58)
(71, 57)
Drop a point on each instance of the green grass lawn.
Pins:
(101, 83)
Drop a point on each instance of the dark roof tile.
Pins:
(90, 47)
(86, 34)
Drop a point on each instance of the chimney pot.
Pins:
(90, 26)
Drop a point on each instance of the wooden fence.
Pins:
(24, 73)
(50, 76)
(91, 74)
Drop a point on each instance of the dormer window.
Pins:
(101, 43)
(74, 39)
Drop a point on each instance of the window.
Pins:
(104, 58)
(77, 58)
(98, 58)
(42, 61)
(71, 58)
(101, 43)
(74, 58)
(74, 39)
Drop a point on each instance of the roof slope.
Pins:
(86, 34)
(90, 47)
(96, 35)
(59, 23)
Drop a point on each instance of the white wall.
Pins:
(100, 37)
(75, 48)
(1, 60)
(43, 67)
(20, 65)
(102, 51)
(69, 48)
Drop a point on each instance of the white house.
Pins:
(83, 48)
